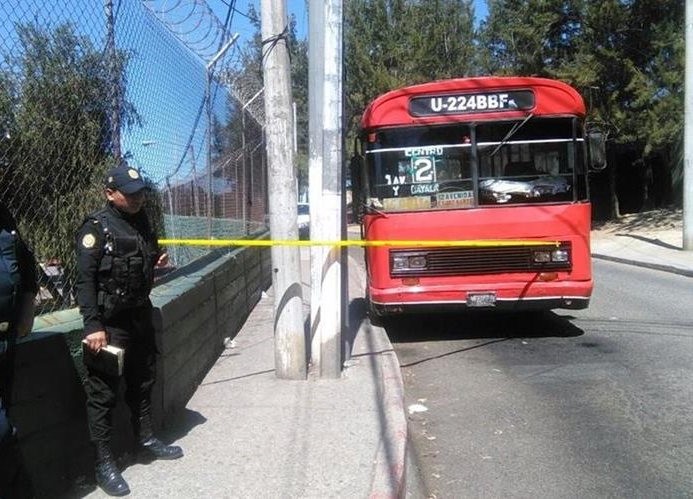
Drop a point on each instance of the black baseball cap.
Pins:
(125, 179)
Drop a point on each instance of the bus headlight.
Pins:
(546, 256)
(541, 256)
(560, 255)
(409, 262)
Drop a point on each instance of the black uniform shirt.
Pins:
(26, 260)
(90, 246)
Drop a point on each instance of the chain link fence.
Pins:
(84, 83)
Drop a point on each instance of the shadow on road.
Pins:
(479, 325)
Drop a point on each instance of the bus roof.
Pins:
(551, 97)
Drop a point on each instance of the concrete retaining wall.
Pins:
(195, 311)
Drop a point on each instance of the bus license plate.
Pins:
(481, 299)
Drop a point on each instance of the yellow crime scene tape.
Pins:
(481, 243)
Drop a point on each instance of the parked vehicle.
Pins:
(493, 172)
(303, 221)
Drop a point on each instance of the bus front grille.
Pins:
(476, 260)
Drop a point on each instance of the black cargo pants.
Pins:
(15, 482)
(133, 330)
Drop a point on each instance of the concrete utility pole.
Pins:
(289, 338)
(316, 55)
(328, 267)
(688, 135)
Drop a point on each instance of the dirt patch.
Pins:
(646, 221)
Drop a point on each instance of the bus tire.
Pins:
(375, 317)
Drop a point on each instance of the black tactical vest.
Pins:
(126, 271)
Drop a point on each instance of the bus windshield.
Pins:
(463, 165)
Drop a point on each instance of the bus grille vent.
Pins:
(478, 261)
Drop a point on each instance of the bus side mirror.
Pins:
(357, 194)
(596, 144)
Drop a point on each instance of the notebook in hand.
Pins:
(108, 360)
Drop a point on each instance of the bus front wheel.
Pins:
(375, 316)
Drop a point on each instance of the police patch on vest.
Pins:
(88, 241)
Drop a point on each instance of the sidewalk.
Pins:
(655, 249)
(247, 434)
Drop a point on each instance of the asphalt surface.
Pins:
(563, 404)
(246, 433)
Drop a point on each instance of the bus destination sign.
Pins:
(468, 103)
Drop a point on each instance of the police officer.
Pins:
(14, 479)
(116, 254)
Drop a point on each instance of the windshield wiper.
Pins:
(510, 133)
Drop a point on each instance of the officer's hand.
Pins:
(163, 260)
(96, 341)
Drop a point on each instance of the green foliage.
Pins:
(56, 112)
(627, 58)
(532, 38)
(299, 89)
(443, 35)
(393, 43)
(249, 74)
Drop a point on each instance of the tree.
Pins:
(299, 86)
(442, 34)
(393, 43)
(246, 81)
(57, 111)
(657, 49)
(627, 60)
(531, 38)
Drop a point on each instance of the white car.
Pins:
(303, 220)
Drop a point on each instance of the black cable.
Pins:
(272, 41)
(232, 6)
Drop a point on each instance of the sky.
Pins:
(166, 82)
(157, 142)
(241, 25)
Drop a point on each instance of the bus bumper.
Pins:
(536, 296)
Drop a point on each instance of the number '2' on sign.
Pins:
(421, 170)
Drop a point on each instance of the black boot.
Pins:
(107, 475)
(151, 445)
(159, 450)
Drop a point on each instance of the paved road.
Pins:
(570, 404)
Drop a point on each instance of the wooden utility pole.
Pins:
(289, 338)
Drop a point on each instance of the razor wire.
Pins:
(84, 83)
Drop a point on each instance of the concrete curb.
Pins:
(388, 475)
(389, 467)
(649, 265)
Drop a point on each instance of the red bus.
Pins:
(473, 192)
